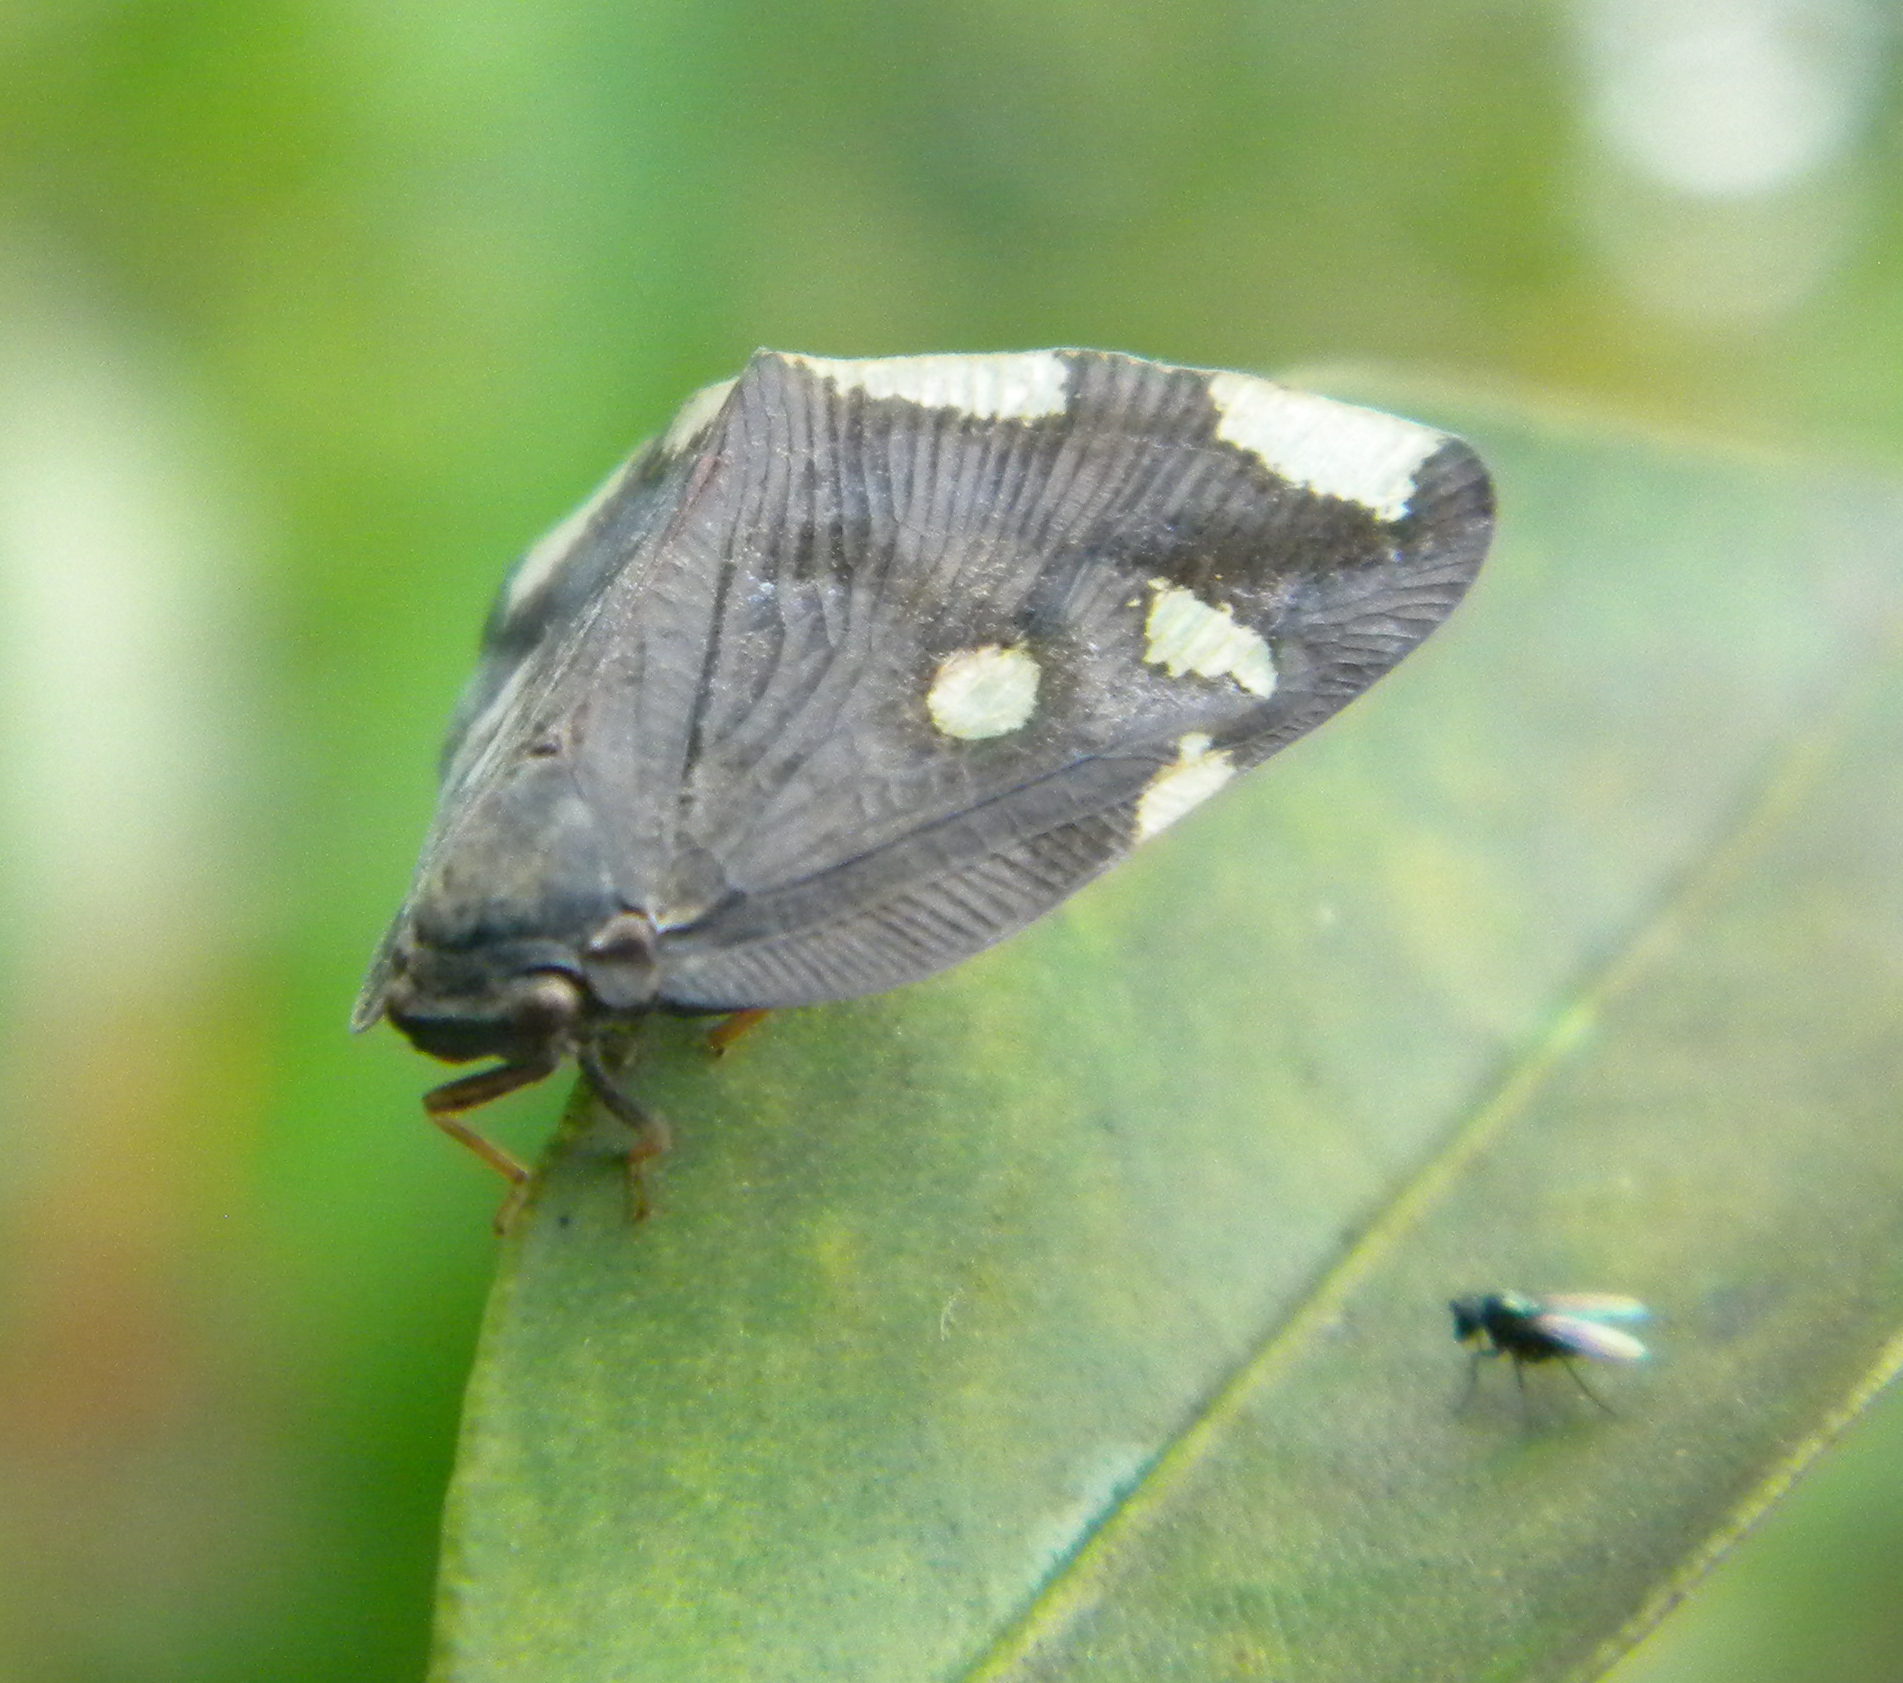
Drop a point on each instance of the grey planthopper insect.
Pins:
(862, 666)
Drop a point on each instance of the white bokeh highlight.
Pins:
(1727, 98)
(1723, 181)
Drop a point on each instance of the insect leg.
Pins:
(652, 1135)
(654, 1141)
(1519, 1378)
(1592, 1395)
(730, 1028)
(1473, 1379)
(444, 1106)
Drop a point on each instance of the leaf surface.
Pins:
(1081, 1313)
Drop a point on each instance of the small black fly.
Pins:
(1556, 1327)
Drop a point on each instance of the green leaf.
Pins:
(1081, 1313)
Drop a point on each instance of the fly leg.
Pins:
(1473, 1379)
(1591, 1395)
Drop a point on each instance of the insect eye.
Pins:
(545, 1003)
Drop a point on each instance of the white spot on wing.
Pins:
(546, 556)
(1334, 448)
(695, 416)
(983, 692)
(1184, 634)
(1197, 772)
(1017, 387)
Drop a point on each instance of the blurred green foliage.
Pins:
(368, 293)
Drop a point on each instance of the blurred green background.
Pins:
(313, 314)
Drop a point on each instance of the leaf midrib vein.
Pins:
(1767, 801)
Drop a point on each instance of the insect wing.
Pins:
(866, 665)
(1592, 1338)
(1595, 1306)
(1147, 608)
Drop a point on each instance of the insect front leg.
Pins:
(444, 1106)
(1473, 1379)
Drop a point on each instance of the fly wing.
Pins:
(927, 643)
(1595, 1305)
(1590, 1338)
